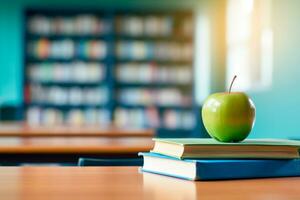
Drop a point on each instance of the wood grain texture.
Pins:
(20, 129)
(73, 145)
(127, 183)
(18, 138)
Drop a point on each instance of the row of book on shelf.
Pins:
(154, 25)
(127, 118)
(99, 95)
(151, 117)
(67, 49)
(84, 24)
(74, 72)
(153, 73)
(97, 49)
(36, 116)
(160, 96)
(159, 50)
(76, 25)
(56, 95)
(92, 72)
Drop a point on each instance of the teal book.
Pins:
(211, 149)
(201, 169)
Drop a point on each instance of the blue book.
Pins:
(202, 169)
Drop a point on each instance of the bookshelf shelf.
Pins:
(154, 38)
(103, 37)
(160, 107)
(63, 60)
(66, 107)
(69, 84)
(155, 61)
(161, 41)
(66, 36)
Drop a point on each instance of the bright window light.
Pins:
(249, 44)
(202, 62)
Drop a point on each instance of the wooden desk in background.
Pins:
(19, 129)
(127, 183)
(20, 144)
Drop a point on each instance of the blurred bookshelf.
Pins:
(124, 68)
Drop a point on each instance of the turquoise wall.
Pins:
(10, 53)
(278, 108)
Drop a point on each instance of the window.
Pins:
(249, 44)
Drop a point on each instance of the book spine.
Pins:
(244, 169)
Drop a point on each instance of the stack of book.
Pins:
(208, 159)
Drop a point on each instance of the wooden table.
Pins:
(21, 129)
(23, 144)
(127, 183)
(16, 150)
(71, 145)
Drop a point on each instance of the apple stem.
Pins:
(232, 83)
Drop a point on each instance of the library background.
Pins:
(128, 65)
(105, 77)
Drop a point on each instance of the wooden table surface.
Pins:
(22, 144)
(22, 139)
(128, 183)
(78, 145)
(21, 129)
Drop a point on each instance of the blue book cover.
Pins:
(200, 169)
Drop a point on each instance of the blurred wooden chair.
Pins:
(83, 162)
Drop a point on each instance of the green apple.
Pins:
(228, 116)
